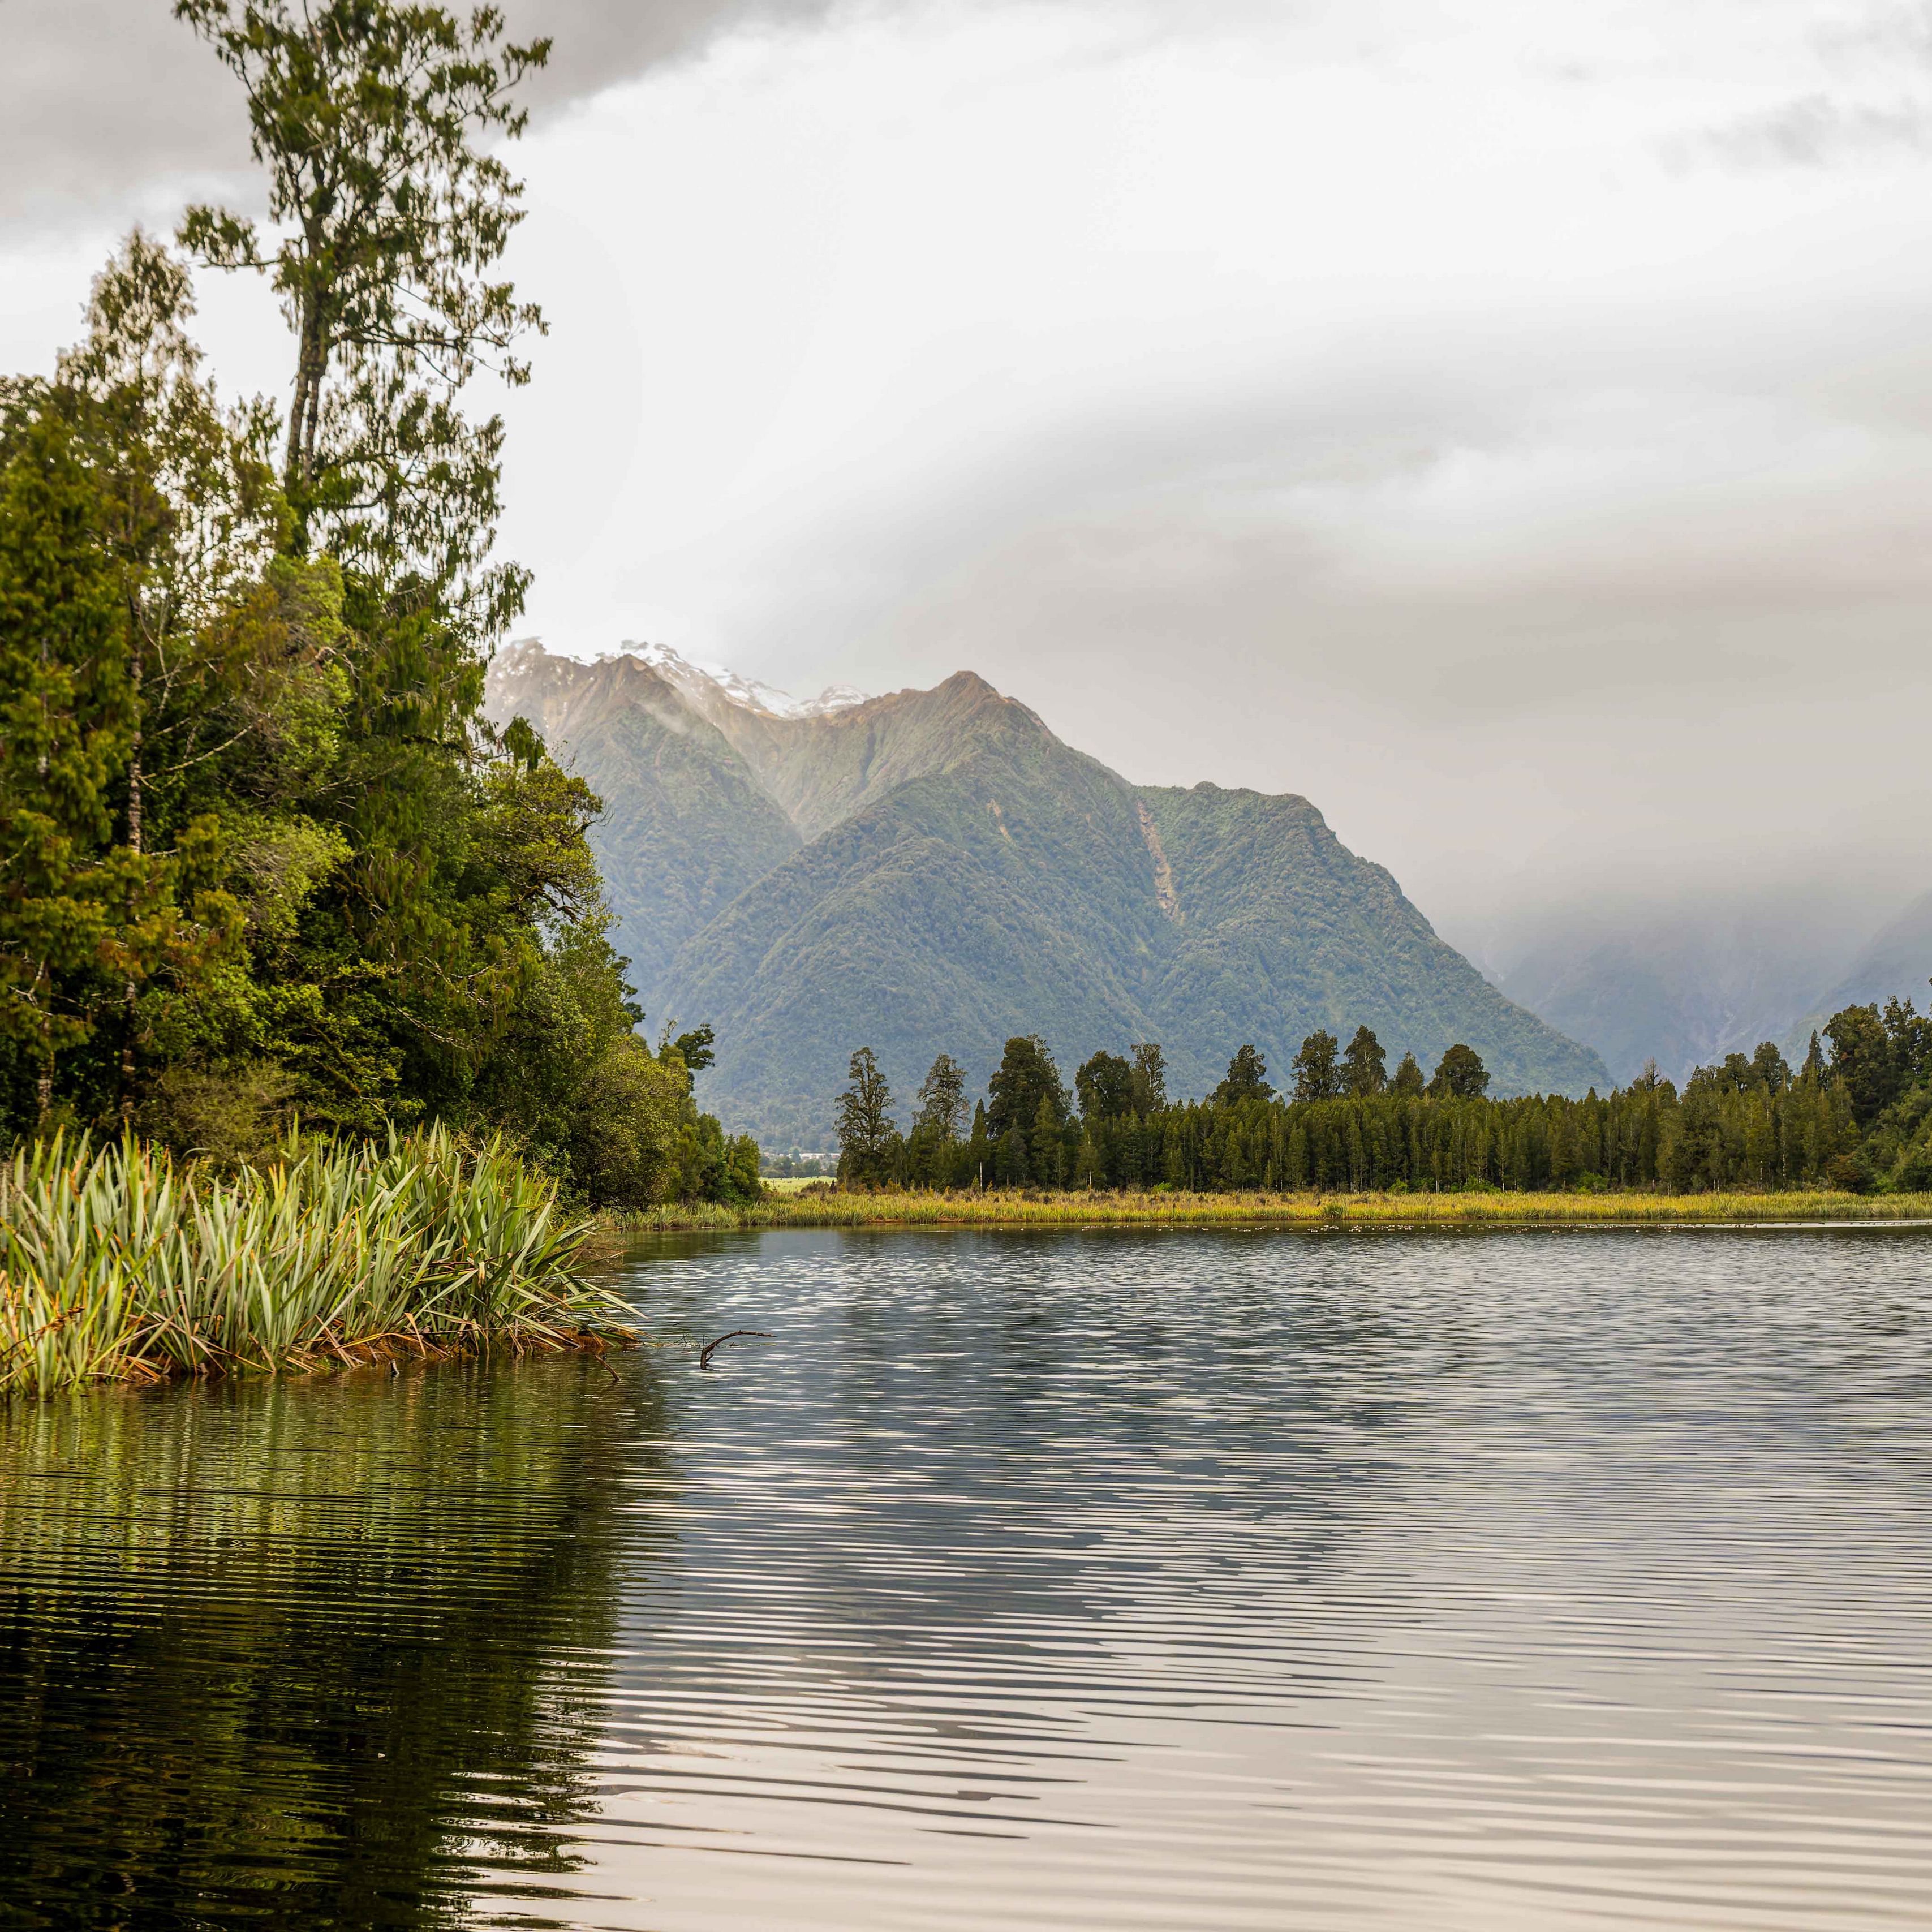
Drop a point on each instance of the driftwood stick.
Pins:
(704, 1354)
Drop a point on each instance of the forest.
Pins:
(1855, 1117)
(265, 862)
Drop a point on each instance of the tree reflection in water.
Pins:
(308, 1654)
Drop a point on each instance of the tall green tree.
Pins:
(868, 1137)
(1408, 1082)
(1247, 1078)
(942, 1101)
(939, 1122)
(1867, 1057)
(1104, 1088)
(1317, 1076)
(1365, 1065)
(79, 914)
(1026, 1078)
(1460, 1074)
(1150, 1079)
(388, 211)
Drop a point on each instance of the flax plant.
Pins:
(117, 1264)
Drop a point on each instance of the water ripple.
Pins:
(1189, 1579)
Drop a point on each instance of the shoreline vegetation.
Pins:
(119, 1265)
(1029, 1207)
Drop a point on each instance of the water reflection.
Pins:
(303, 1655)
(1204, 1581)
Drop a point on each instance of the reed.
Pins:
(1030, 1207)
(117, 1264)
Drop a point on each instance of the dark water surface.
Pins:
(1187, 1580)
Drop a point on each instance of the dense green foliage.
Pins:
(1859, 1120)
(263, 858)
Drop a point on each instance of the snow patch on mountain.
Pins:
(694, 679)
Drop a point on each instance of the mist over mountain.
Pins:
(1895, 963)
(1685, 979)
(936, 870)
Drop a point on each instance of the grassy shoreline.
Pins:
(1034, 1208)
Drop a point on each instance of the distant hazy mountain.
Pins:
(1897, 963)
(1685, 981)
(935, 870)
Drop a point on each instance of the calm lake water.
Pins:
(1188, 1580)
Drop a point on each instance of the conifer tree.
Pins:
(1025, 1077)
(1150, 1079)
(1104, 1088)
(1408, 1082)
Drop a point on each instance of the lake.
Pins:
(1193, 1580)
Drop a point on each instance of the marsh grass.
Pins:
(1031, 1207)
(116, 1264)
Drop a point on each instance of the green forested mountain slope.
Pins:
(686, 828)
(1009, 892)
(963, 876)
(1281, 929)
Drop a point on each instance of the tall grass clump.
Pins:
(116, 1264)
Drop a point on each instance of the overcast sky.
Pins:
(1509, 425)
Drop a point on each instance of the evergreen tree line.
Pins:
(1856, 1115)
(260, 854)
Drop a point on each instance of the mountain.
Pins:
(686, 829)
(1686, 978)
(1896, 963)
(1683, 987)
(935, 870)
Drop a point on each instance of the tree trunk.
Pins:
(134, 782)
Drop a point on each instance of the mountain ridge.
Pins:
(937, 870)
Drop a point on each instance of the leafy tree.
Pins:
(1044, 1142)
(1247, 1078)
(1104, 1086)
(1460, 1074)
(1026, 1078)
(868, 1137)
(388, 213)
(1366, 1065)
(66, 718)
(1408, 1082)
(1769, 1068)
(1317, 1077)
(1150, 1079)
(942, 1101)
(694, 1049)
(1861, 1061)
(940, 1119)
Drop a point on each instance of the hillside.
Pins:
(1281, 929)
(936, 870)
(686, 829)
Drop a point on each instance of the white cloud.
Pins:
(1442, 410)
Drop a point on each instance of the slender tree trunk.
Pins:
(44, 1086)
(134, 784)
(305, 415)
